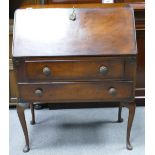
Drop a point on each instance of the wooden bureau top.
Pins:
(96, 31)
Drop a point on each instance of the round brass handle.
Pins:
(46, 71)
(38, 92)
(103, 70)
(112, 91)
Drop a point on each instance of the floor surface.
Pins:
(78, 132)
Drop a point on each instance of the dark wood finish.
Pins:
(15, 4)
(140, 81)
(139, 19)
(33, 114)
(20, 110)
(71, 1)
(91, 39)
(76, 91)
(13, 90)
(139, 12)
(130, 68)
(120, 119)
(81, 69)
(92, 62)
(132, 107)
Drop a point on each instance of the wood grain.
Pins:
(75, 69)
(76, 91)
(93, 33)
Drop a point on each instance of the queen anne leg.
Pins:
(20, 111)
(132, 107)
(33, 114)
(120, 119)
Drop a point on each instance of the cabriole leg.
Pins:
(32, 122)
(132, 107)
(120, 119)
(20, 111)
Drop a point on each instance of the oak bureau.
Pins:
(86, 54)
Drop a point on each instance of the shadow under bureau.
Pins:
(88, 58)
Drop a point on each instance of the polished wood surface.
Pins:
(132, 108)
(139, 12)
(92, 33)
(89, 63)
(76, 91)
(20, 111)
(13, 90)
(73, 69)
(32, 122)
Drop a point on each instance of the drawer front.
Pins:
(75, 70)
(77, 91)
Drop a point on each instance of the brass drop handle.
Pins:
(103, 70)
(46, 71)
(38, 92)
(112, 91)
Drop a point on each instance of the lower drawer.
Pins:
(77, 91)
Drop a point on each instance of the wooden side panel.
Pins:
(13, 90)
(140, 82)
(13, 87)
(130, 68)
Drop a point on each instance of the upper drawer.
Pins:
(74, 69)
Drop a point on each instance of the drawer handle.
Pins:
(112, 91)
(46, 71)
(103, 70)
(38, 92)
